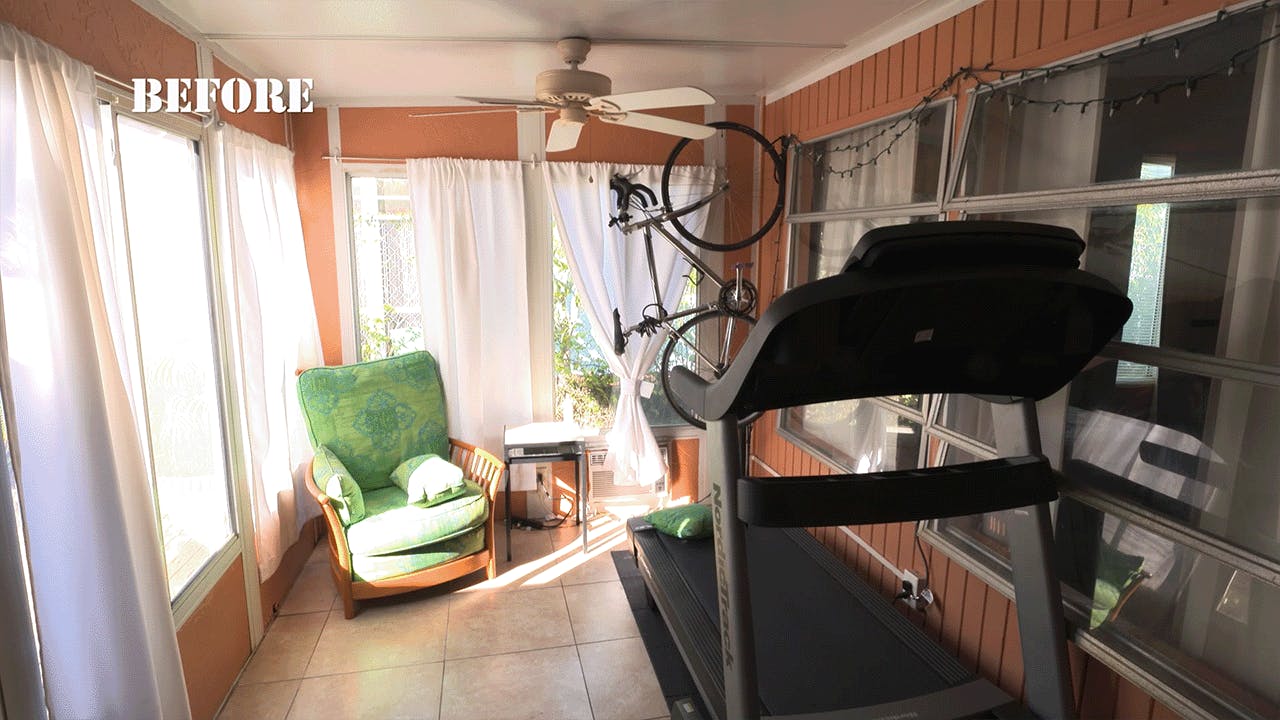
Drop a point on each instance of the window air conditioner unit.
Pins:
(601, 481)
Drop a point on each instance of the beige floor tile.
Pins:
(313, 591)
(261, 701)
(620, 680)
(320, 556)
(391, 632)
(599, 611)
(540, 684)
(526, 545)
(492, 623)
(401, 693)
(598, 567)
(286, 649)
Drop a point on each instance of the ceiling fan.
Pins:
(580, 94)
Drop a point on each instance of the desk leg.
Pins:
(507, 499)
(582, 500)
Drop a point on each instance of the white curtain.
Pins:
(469, 234)
(277, 333)
(610, 271)
(97, 580)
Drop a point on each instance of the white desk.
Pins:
(547, 442)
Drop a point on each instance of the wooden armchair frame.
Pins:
(478, 466)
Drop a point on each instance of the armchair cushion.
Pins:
(393, 525)
(374, 414)
(371, 568)
(428, 479)
(333, 479)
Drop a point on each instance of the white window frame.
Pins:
(240, 543)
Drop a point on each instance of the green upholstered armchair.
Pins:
(364, 420)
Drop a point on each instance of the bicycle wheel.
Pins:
(734, 206)
(706, 344)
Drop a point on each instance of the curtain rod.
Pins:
(398, 160)
(353, 158)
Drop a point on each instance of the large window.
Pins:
(388, 306)
(158, 204)
(837, 195)
(584, 389)
(1168, 533)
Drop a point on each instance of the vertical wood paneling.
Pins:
(1077, 658)
(1005, 30)
(1162, 712)
(940, 566)
(842, 102)
(895, 72)
(1098, 697)
(995, 616)
(814, 116)
(868, 83)
(975, 605)
(890, 547)
(855, 90)
(984, 22)
(1112, 11)
(882, 77)
(1082, 17)
(962, 45)
(1132, 702)
(944, 43)
(911, 65)
(1053, 22)
(1011, 670)
(928, 46)
(805, 122)
(1144, 6)
(953, 608)
(831, 98)
(1028, 37)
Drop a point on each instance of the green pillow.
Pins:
(428, 479)
(344, 493)
(688, 522)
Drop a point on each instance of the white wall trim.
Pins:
(161, 12)
(921, 16)
(341, 237)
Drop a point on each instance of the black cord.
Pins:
(923, 557)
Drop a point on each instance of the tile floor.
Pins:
(551, 637)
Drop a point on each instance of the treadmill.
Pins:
(767, 621)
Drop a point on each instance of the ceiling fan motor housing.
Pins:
(571, 85)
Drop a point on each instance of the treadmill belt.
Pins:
(824, 640)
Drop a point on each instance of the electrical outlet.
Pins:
(915, 591)
(911, 583)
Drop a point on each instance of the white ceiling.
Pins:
(428, 51)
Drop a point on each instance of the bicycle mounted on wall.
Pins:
(711, 333)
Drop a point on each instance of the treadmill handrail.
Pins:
(897, 495)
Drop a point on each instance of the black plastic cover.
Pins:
(896, 496)
(1013, 324)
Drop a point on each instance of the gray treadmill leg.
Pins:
(1036, 590)
(737, 642)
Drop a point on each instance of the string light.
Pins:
(996, 90)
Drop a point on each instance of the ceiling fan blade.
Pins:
(693, 131)
(563, 135)
(508, 101)
(664, 98)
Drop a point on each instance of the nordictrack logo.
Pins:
(236, 95)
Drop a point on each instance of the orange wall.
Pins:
(972, 620)
(267, 125)
(116, 37)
